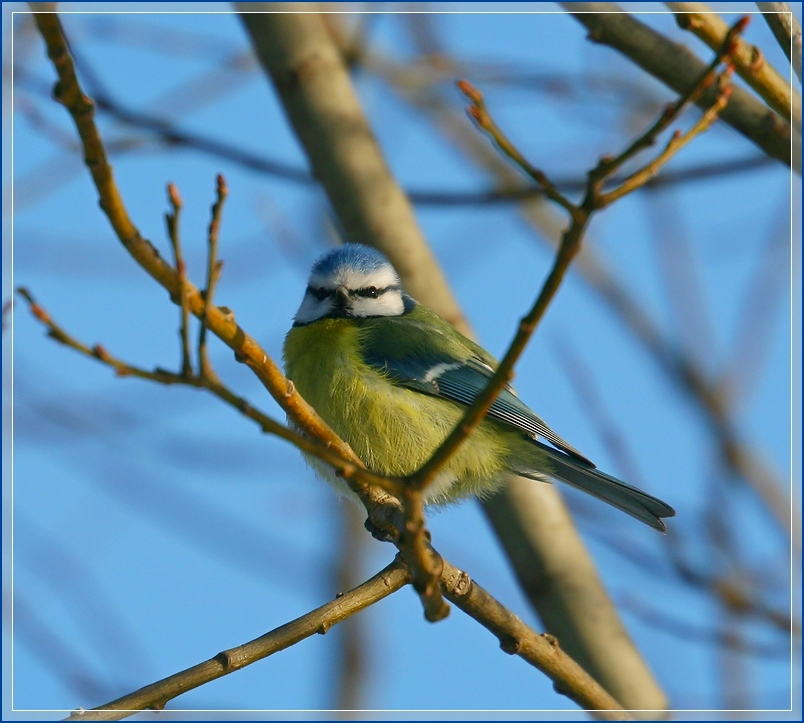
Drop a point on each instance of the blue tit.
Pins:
(393, 379)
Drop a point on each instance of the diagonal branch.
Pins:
(677, 67)
(749, 62)
(786, 29)
(156, 695)
(344, 467)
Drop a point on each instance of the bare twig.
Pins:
(344, 467)
(675, 144)
(750, 63)
(568, 249)
(786, 29)
(571, 239)
(172, 220)
(213, 274)
(220, 322)
(479, 114)
(156, 695)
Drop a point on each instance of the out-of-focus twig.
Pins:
(353, 649)
(786, 29)
(681, 628)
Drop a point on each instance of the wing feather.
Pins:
(436, 365)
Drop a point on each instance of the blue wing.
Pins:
(461, 382)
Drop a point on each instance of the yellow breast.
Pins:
(392, 429)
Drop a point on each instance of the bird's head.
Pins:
(352, 281)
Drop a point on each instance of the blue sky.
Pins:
(154, 527)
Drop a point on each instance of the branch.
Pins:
(427, 565)
(172, 220)
(579, 218)
(213, 274)
(212, 384)
(479, 114)
(678, 68)
(749, 62)
(786, 29)
(156, 695)
(541, 651)
(220, 321)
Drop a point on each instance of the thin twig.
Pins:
(426, 565)
(172, 220)
(675, 144)
(156, 695)
(478, 112)
(222, 324)
(213, 274)
(706, 80)
(571, 239)
(268, 425)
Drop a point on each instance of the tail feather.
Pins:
(635, 502)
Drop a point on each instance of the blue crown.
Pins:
(362, 258)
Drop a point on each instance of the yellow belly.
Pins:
(392, 429)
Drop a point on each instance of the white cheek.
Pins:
(389, 304)
(312, 309)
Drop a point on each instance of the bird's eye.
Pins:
(320, 293)
(372, 292)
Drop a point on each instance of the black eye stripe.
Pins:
(372, 292)
(369, 292)
(320, 292)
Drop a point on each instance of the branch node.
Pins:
(552, 639)
(224, 659)
(463, 586)
(510, 645)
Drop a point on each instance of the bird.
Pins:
(392, 379)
